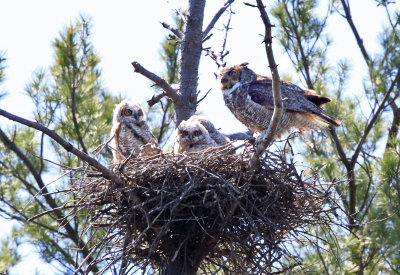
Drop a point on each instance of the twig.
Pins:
(371, 123)
(175, 31)
(156, 98)
(267, 136)
(216, 17)
(360, 43)
(67, 146)
(158, 80)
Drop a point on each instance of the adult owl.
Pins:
(249, 97)
(131, 133)
(192, 136)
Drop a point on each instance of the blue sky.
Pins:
(126, 31)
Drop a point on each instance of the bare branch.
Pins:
(156, 98)
(175, 31)
(371, 123)
(107, 173)
(216, 17)
(360, 43)
(267, 136)
(158, 80)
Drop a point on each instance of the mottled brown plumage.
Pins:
(249, 97)
(131, 133)
(191, 135)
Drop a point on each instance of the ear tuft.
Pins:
(244, 64)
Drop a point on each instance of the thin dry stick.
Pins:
(267, 136)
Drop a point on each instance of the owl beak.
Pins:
(190, 136)
(136, 116)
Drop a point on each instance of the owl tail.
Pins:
(328, 119)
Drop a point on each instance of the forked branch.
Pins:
(268, 135)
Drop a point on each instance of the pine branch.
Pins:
(107, 173)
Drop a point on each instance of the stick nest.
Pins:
(206, 209)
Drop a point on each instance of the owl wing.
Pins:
(294, 99)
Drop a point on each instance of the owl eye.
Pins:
(231, 72)
(126, 112)
(185, 133)
(197, 133)
(140, 112)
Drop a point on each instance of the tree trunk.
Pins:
(186, 104)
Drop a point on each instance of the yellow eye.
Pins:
(197, 133)
(231, 72)
(126, 112)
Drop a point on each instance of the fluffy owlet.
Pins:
(249, 97)
(219, 138)
(131, 133)
(192, 136)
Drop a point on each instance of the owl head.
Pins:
(191, 132)
(231, 75)
(128, 112)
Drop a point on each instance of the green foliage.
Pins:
(299, 21)
(70, 99)
(2, 73)
(8, 253)
(368, 188)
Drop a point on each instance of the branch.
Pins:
(219, 58)
(175, 31)
(371, 123)
(355, 32)
(158, 80)
(72, 234)
(216, 17)
(267, 136)
(107, 173)
(156, 98)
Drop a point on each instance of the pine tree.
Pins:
(69, 98)
(368, 182)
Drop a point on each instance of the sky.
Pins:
(126, 31)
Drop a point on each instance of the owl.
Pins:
(192, 136)
(249, 97)
(219, 138)
(131, 133)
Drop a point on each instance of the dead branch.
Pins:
(158, 80)
(156, 98)
(65, 144)
(219, 57)
(175, 31)
(267, 136)
(216, 17)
